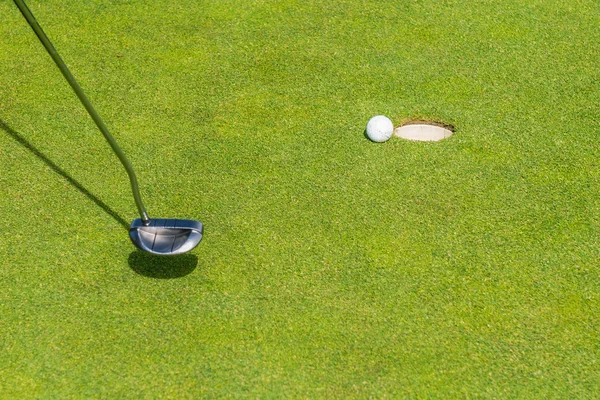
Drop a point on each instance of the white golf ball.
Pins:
(380, 128)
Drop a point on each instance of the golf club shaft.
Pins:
(86, 103)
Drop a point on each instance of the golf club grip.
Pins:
(86, 103)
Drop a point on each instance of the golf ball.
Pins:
(380, 128)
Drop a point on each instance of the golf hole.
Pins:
(425, 131)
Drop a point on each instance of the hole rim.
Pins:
(422, 121)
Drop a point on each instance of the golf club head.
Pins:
(166, 236)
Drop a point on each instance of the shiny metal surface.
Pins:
(166, 236)
(156, 236)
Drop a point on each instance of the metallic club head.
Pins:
(166, 236)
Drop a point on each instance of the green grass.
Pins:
(331, 267)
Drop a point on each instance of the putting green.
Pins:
(330, 267)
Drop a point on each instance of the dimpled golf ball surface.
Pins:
(380, 129)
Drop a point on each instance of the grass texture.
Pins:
(331, 267)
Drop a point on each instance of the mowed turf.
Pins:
(331, 267)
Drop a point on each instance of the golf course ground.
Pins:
(331, 267)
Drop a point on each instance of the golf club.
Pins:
(156, 236)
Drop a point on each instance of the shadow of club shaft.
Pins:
(32, 149)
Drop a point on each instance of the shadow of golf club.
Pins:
(22, 141)
(161, 267)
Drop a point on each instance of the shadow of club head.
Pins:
(150, 266)
(166, 237)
